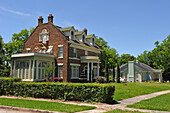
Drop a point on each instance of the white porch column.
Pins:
(91, 71)
(37, 70)
(29, 71)
(97, 69)
(160, 77)
(33, 66)
(87, 71)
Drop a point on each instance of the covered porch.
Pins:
(90, 66)
(31, 66)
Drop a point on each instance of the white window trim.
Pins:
(72, 72)
(60, 64)
(28, 49)
(62, 71)
(72, 64)
(60, 45)
(74, 58)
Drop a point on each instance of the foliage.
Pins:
(43, 105)
(49, 71)
(108, 56)
(123, 111)
(100, 79)
(67, 91)
(125, 58)
(161, 103)
(15, 46)
(128, 90)
(159, 57)
(1, 57)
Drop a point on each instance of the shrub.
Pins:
(89, 92)
(100, 79)
(6, 84)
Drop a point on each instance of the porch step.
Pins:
(82, 78)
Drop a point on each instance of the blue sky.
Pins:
(129, 26)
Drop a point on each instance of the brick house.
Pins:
(74, 53)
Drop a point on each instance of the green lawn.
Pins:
(128, 90)
(161, 103)
(123, 111)
(43, 105)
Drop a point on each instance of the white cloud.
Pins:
(14, 12)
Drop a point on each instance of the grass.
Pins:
(128, 90)
(123, 111)
(161, 103)
(43, 105)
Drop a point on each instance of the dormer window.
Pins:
(93, 42)
(83, 39)
(44, 36)
(72, 35)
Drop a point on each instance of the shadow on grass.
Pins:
(112, 102)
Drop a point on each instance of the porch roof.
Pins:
(32, 54)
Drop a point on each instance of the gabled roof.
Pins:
(78, 33)
(90, 36)
(149, 68)
(66, 28)
(142, 67)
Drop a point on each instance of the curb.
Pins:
(27, 109)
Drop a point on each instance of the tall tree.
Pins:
(118, 72)
(15, 45)
(108, 56)
(159, 57)
(125, 58)
(1, 55)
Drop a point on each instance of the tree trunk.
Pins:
(106, 70)
(118, 73)
(113, 67)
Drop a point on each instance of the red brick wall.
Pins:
(55, 38)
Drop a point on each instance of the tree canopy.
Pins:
(159, 57)
(13, 47)
(124, 58)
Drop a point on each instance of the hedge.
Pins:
(89, 92)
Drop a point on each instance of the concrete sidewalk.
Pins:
(102, 107)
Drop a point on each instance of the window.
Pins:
(60, 55)
(41, 69)
(72, 35)
(95, 72)
(86, 53)
(83, 39)
(44, 36)
(93, 42)
(74, 71)
(75, 53)
(96, 54)
(60, 71)
(22, 68)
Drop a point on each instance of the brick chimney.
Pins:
(85, 30)
(50, 18)
(40, 20)
(76, 30)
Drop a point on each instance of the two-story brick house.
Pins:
(74, 53)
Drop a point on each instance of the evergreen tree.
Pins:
(118, 72)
